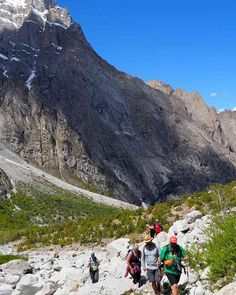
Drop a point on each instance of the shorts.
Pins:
(154, 275)
(173, 279)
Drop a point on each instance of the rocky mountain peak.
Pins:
(13, 13)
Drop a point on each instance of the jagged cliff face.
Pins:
(65, 109)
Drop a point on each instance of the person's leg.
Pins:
(96, 276)
(154, 287)
(92, 277)
(174, 289)
(151, 279)
(157, 280)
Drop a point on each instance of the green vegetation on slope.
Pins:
(219, 253)
(44, 214)
(7, 258)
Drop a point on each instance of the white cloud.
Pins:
(213, 93)
(233, 109)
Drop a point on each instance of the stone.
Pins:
(118, 248)
(227, 290)
(193, 277)
(5, 289)
(16, 267)
(192, 216)
(183, 282)
(179, 227)
(48, 289)
(205, 273)
(199, 289)
(29, 284)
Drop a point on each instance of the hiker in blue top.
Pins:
(93, 265)
(134, 263)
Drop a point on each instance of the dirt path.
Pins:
(19, 170)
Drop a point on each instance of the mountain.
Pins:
(64, 109)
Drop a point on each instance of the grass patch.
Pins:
(8, 258)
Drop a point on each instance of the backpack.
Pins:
(132, 251)
(158, 228)
(176, 265)
(93, 264)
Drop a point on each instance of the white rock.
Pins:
(12, 280)
(204, 275)
(183, 281)
(208, 292)
(180, 226)
(118, 248)
(193, 277)
(192, 216)
(5, 289)
(16, 267)
(161, 240)
(199, 289)
(192, 290)
(29, 284)
(48, 289)
(228, 290)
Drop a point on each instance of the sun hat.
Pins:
(147, 239)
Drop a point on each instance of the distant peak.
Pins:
(38, 4)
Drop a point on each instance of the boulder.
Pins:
(227, 290)
(5, 289)
(200, 290)
(180, 226)
(12, 280)
(29, 284)
(204, 275)
(17, 267)
(193, 277)
(48, 289)
(161, 240)
(118, 248)
(192, 216)
(183, 282)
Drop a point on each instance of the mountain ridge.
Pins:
(68, 111)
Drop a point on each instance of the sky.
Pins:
(186, 43)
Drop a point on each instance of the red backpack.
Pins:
(158, 228)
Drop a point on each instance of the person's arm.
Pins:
(158, 257)
(143, 260)
(162, 254)
(128, 262)
(88, 265)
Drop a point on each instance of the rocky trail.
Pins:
(63, 271)
(19, 170)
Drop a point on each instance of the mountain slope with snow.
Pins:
(66, 110)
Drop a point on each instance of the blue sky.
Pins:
(188, 44)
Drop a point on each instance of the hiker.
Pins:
(158, 228)
(152, 230)
(171, 255)
(93, 265)
(134, 263)
(155, 228)
(151, 263)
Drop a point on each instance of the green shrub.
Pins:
(220, 251)
(7, 258)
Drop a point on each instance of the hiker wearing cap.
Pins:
(151, 263)
(172, 255)
(93, 265)
(134, 263)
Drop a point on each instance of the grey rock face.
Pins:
(65, 109)
(4, 185)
